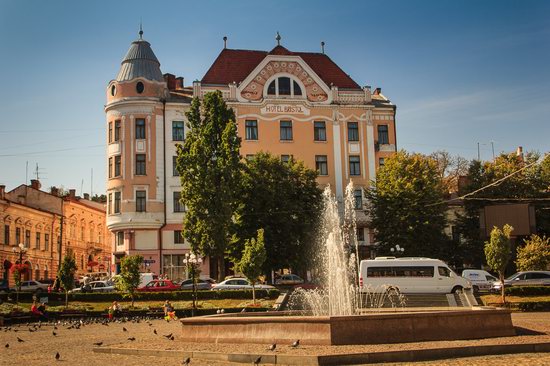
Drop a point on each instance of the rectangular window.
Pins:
(175, 172)
(285, 158)
(251, 130)
(46, 242)
(117, 202)
(110, 167)
(381, 162)
(141, 199)
(37, 242)
(383, 138)
(360, 234)
(250, 157)
(17, 236)
(119, 238)
(319, 131)
(177, 131)
(117, 131)
(178, 206)
(321, 164)
(401, 271)
(6, 234)
(117, 166)
(27, 238)
(178, 238)
(286, 130)
(140, 164)
(140, 129)
(110, 132)
(354, 165)
(353, 131)
(358, 199)
(109, 204)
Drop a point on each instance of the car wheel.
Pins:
(456, 289)
(475, 289)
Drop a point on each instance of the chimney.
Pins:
(179, 83)
(170, 80)
(377, 91)
(35, 183)
(2, 192)
(72, 193)
(87, 196)
(54, 191)
(519, 152)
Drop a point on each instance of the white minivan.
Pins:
(409, 275)
(481, 280)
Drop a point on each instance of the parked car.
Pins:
(289, 279)
(526, 278)
(239, 284)
(96, 286)
(4, 288)
(159, 285)
(201, 284)
(409, 275)
(33, 286)
(481, 280)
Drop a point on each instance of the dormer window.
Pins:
(284, 86)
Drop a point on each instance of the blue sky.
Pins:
(460, 72)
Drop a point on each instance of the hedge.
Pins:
(148, 296)
(534, 306)
(527, 290)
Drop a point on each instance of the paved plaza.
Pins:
(76, 345)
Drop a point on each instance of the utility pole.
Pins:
(478, 154)
(493, 148)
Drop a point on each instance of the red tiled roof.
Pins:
(236, 65)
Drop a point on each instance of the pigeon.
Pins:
(258, 360)
(98, 344)
(7, 345)
(54, 327)
(171, 338)
(20, 340)
(272, 347)
(57, 356)
(124, 329)
(296, 343)
(187, 361)
(54, 334)
(168, 336)
(132, 339)
(155, 331)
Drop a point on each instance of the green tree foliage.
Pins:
(209, 166)
(405, 206)
(252, 261)
(535, 255)
(531, 182)
(130, 277)
(498, 251)
(17, 281)
(66, 273)
(284, 200)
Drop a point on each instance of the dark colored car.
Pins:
(159, 285)
(201, 284)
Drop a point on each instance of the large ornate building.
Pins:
(292, 104)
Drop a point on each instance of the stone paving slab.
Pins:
(343, 359)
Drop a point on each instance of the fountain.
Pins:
(337, 313)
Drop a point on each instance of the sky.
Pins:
(460, 72)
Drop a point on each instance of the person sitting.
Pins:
(169, 312)
(38, 311)
(114, 310)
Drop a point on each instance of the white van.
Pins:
(481, 280)
(409, 275)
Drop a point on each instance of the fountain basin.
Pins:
(376, 328)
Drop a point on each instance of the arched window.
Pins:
(284, 86)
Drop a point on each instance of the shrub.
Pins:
(528, 290)
(534, 306)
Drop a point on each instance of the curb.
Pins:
(342, 359)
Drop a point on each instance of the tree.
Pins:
(535, 255)
(252, 261)
(284, 200)
(17, 282)
(66, 273)
(130, 276)
(405, 206)
(450, 168)
(209, 166)
(498, 251)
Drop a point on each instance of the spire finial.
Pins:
(323, 47)
(224, 42)
(140, 30)
(278, 39)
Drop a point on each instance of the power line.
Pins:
(48, 151)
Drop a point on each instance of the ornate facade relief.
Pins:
(254, 90)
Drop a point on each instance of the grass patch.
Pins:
(491, 300)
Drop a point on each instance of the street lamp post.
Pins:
(20, 250)
(397, 250)
(192, 260)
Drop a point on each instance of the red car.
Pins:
(159, 285)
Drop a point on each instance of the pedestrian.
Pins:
(56, 284)
(169, 312)
(114, 310)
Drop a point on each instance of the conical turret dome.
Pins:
(140, 61)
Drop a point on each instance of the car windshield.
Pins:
(513, 276)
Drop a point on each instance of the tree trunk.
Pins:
(253, 294)
(221, 268)
(502, 292)
(132, 296)
(66, 299)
